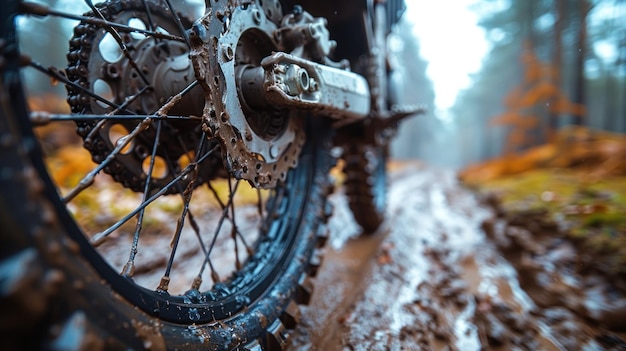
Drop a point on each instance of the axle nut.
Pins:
(296, 80)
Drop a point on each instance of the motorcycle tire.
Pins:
(58, 292)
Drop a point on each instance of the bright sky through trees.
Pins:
(451, 42)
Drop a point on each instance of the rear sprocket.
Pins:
(260, 146)
(96, 62)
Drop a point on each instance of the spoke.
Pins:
(207, 257)
(149, 15)
(129, 100)
(249, 250)
(42, 10)
(129, 267)
(259, 203)
(120, 145)
(54, 73)
(99, 237)
(176, 98)
(223, 206)
(192, 221)
(194, 225)
(120, 42)
(94, 130)
(122, 142)
(234, 230)
(181, 28)
(41, 118)
(216, 195)
(151, 25)
(165, 280)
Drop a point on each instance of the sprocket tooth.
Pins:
(276, 336)
(328, 209)
(260, 142)
(305, 289)
(252, 346)
(322, 237)
(291, 315)
(316, 261)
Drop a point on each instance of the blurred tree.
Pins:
(49, 49)
(584, 42)
(507, 25)
(539, 88)
(557, 56)
(579, 86)
(410, 85)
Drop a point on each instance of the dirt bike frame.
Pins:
(275, 96)
(361, 27)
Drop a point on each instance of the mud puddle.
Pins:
(431, 279)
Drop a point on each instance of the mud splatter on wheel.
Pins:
(60, 254)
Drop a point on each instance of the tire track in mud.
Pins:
(428, 280)
(388, 302)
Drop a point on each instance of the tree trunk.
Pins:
(622, 64)
(557, 59)
(579, 84)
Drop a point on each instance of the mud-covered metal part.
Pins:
(303, 35)
(365, 143)
(365, 183)
(258, 74)
(94, 307)
(259, 145)
(296, 83)
(96, 62)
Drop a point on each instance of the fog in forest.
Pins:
(550, 64)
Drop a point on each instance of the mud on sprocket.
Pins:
(200, 221)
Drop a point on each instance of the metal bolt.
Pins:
(228, 53)
(274, 151)
(297, 12)
(256, 15)
(297, 80)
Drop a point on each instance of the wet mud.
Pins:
(448, 271)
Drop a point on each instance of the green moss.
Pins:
(593, 210)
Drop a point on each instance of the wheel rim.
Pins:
(228, 296)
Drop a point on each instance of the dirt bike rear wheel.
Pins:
(59, 291)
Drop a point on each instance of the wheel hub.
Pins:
(260, 145)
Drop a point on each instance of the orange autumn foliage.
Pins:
(598, 153)
(52, 103)
(69, 165)
(539, 88)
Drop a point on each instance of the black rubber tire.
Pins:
(366, 184)
(52, 292)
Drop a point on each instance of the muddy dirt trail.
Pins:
(431, 279)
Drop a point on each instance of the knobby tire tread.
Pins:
(51, 296)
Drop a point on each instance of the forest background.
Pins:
(551, 64)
